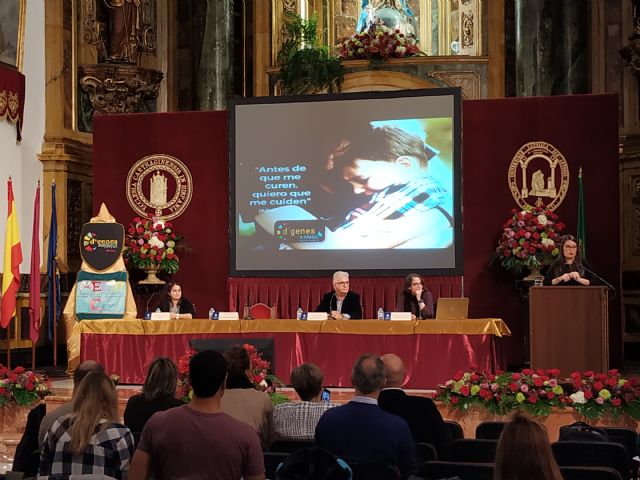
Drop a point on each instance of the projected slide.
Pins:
(365, 182)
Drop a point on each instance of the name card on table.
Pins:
(160, 316)
(316, 316)
(400, 316)
(226, 316)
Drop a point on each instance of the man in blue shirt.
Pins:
(361, 431)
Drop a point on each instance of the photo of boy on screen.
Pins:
(402, 204)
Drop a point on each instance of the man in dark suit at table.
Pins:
(360, 431)
(341, 303)
(422, 415)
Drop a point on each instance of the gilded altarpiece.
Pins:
(449, 33)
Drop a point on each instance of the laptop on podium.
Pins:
(452, 308)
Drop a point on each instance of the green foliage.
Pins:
(307, 66)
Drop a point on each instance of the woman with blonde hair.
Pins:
(524, 452)
(90, 440)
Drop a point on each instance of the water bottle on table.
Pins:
(299, 313)
(380, 314)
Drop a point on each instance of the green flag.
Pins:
(581, 231)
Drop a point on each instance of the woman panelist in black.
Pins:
(179, 307)
(568, 268)
(415, 298)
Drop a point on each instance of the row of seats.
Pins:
(583, 459)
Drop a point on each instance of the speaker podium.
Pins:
(569, 328)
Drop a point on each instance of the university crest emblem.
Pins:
(160, 186)
(538, 176)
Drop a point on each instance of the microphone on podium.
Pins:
(600, 279)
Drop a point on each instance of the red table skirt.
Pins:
(430, 359)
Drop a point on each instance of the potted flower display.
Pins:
(260, 376)
(379, 43)
(529, 240)
(592, 395)
(150, 245)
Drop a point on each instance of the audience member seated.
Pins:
(421, 413)
(415, 298)
(89, 440)
(178, 306)
(242, 401)
(341, 304)
(298, 420)
(158, 394)
(524, 452)
(66, 408)
(27, 456)
(198, 440)
(361, 431)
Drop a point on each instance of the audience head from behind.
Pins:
(306, 380)
(207, 374)
(83, 369)
(368, 375)
(239, 363)
(524, 452)
(95, 400)
(313, 464)
(162, 379)
(394, 370)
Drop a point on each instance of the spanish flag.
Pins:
(12, 261)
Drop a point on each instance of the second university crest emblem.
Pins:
(538, 176)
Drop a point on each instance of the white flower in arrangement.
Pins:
(547, 242)
(542, 220)
(578, 397)
(155, 242)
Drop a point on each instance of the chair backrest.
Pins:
(466, 471)
(373, 471)
(489, 430)
(313, 464)
(589, 473)
(290, 446)
(453, 431)
(624, 436)
(271, 462)
(592, 454)
(260, 311)
(473, 450)
(425, 452)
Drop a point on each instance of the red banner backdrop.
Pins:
(199, 140)
(585, 129)
(12, 91)
(582, 127)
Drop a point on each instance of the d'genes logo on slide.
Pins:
(295, 231)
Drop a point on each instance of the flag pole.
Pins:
(55, 313)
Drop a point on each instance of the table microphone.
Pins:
(600, 279)
(147, 314)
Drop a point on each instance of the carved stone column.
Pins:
(551, 47)
(215, 76)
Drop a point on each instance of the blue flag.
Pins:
(52, 269)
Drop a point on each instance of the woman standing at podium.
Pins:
(568, 268)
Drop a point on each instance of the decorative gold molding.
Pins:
(373, 80)
(468, 81)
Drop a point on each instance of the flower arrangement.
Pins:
(20, 386)
(529, 239)
(260, 376)
(592, 395)
(151, 244)
(378, 43)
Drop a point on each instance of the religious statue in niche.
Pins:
(127, 29)
(394, 14)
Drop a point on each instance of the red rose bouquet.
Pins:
(20, 386)
(529, 239)
(378, 43)
(151, 244)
